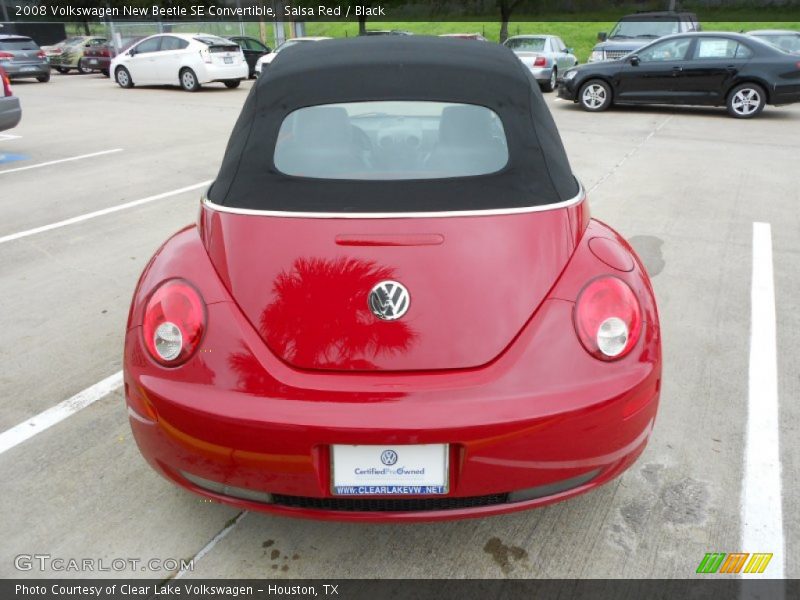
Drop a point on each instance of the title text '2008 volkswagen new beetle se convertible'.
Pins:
(394, 305)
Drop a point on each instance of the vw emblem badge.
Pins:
(388, 457)
(389, 300)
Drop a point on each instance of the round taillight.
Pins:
(608, 318)
(174, 322)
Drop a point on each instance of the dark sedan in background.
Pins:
(738, 71)
(99, 56)
(253, 49)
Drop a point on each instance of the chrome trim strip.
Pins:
(580, 196)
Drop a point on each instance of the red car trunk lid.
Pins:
(304, 283)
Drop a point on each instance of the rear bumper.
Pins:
(785, 94)
(100, 63)
(22, 71)
(212, 72)
(10, 113)
(521, 433)
(541, 74)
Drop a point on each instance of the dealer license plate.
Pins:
(93, 61)
(228, 61)
(27, 69)
(389, 470)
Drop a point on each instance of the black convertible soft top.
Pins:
(395, 68)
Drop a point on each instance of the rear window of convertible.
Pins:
(391, 140)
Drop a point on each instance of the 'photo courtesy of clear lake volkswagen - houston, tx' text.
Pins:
(402, 292)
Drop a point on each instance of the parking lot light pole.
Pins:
(241, 22)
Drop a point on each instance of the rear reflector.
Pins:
(552, 489)
(228, 490)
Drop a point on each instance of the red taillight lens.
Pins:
(608, 318)
(174, 322)
(106, 53)
(5, 55)
(41, 54)
(540, 61)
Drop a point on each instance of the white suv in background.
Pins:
(188, 60)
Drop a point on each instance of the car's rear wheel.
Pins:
(123, 77)
(189, 80)
(745, 101)
(62, 70)
(550, 85)
(595, 95)
(105, 72)
(43, 78)
(232, 84)
(83, 70)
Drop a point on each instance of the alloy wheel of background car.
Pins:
(595, 95)
(43, 78)
(83, 70)
(123, 77)
(746, 101)
(189, 81)
(551, 84)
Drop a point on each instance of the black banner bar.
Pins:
(712, 586)
(81, 11)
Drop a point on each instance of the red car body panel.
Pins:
(500, 376)
(458, 270)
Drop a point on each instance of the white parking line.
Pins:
(100, 213)
(60, 160)
(762, 511)
(8, 136)
(207, 548)
(44, 420)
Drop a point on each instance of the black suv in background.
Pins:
(634, 31)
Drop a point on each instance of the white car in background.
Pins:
(265, 60)
(188, 60)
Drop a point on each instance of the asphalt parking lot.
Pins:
(684, 185)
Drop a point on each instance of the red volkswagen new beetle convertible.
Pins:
(394, 305)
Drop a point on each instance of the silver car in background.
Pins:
(545, 56)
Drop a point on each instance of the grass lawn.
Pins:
(581, 36)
